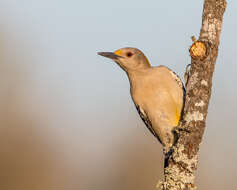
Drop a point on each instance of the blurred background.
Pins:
(67, 121)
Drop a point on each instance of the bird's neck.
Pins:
(136, 77)
(136, 74)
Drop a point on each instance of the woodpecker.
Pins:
(157, 92)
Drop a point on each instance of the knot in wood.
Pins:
(198, 50)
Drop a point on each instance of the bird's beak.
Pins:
(110, 55)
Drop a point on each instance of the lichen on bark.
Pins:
(182, 164)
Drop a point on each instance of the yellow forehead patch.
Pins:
(118, 52)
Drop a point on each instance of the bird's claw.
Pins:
(181, 129)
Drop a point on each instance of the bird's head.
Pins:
(129, 59)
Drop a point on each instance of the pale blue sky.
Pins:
(49, 63)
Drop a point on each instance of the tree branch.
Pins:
(180, 173)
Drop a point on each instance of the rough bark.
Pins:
(180, 173)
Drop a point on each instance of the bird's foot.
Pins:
(179, 129)
(176, 131)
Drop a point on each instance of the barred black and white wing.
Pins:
(147, 122)
(177, 79)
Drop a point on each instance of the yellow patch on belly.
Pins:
(177, 117)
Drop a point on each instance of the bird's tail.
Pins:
(167, 156)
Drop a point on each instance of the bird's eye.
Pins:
(129, 54)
